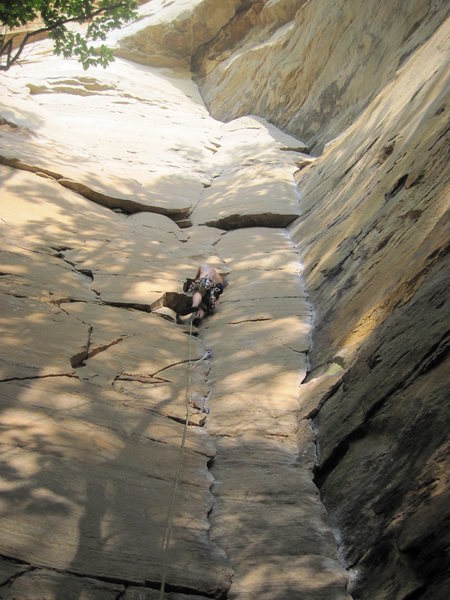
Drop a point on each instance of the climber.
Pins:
(206, 288)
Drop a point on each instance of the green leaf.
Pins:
(101, 15)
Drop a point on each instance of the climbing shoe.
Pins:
(187, 310)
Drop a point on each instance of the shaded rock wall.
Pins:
(377, 278)
(373, 237)
(115, 186)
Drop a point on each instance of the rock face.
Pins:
(321, 470)
(95, 370)
(382, 414)
(373, 236)
(311, 67)
(169, 33)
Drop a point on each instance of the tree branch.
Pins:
(7, 47)
(10, 61)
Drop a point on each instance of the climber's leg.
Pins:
(198, 317)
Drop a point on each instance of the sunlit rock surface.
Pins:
(94, 371)
(169, 32)
(327, 380)
(310, 67)
(378, 279)
(373, 236)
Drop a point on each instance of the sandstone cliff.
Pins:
(317, 184)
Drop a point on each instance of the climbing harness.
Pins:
(202, 285)
(188, 400)
(208, 289)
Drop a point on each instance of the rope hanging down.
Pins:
(169, 523)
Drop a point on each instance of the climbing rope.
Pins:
(170, 514)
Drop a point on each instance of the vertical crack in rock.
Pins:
(77, 360)
(306, 415)
(261, 445)
(309, 406)
(86, 274)
(209, 464)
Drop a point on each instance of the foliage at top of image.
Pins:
(51, 17)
